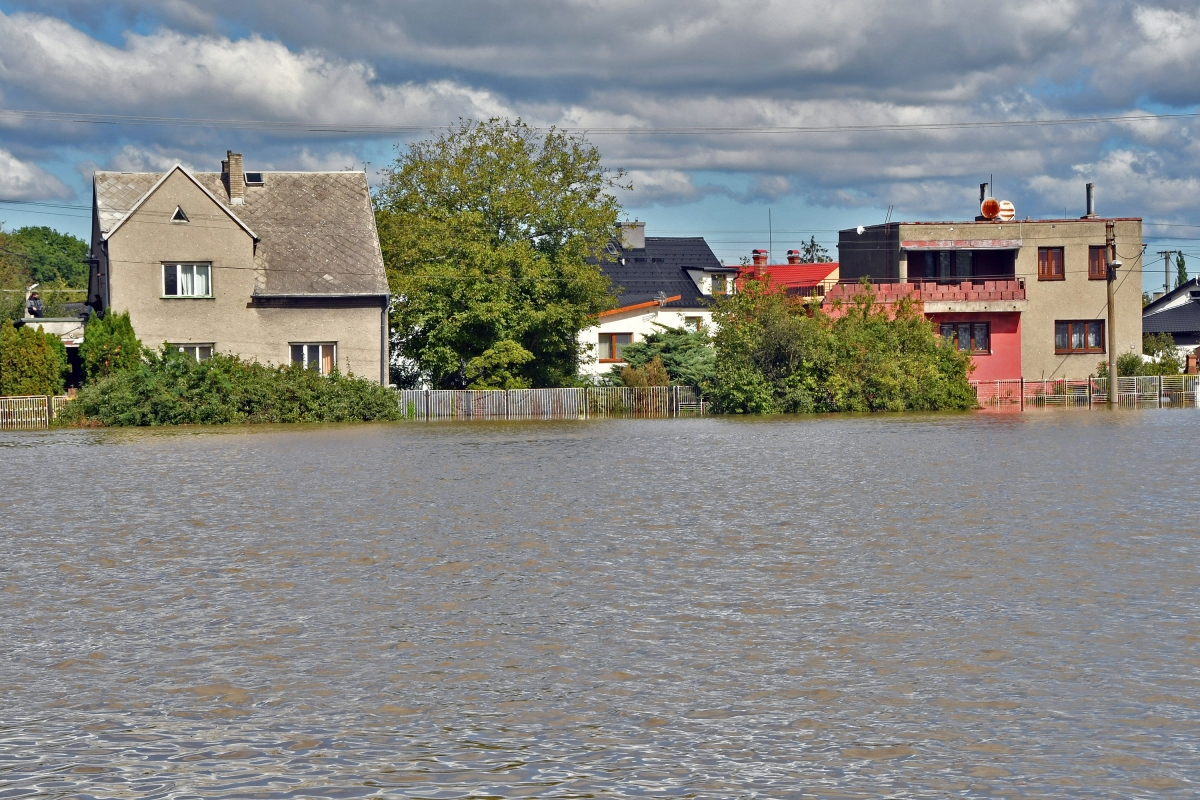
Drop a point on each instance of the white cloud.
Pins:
(136, 159)
(21, 180)
(660, 187)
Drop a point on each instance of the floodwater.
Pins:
(889, 606)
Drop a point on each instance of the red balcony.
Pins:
(934, 292)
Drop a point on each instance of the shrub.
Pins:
(778, 354)
(32, 362)
(172, 388)
(109, 346)
(686, 356)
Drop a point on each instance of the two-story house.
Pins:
(1027, 298)
(278, 267)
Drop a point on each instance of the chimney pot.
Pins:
(793, 256)
(235, 178)
(1091, 200)
(633, 235)
(758, 258)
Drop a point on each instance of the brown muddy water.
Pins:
(891, 606)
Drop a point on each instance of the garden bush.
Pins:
(32, 362)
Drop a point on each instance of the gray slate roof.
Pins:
(1184, 319)
(660, 267)
(310, 225)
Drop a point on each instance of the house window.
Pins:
(200, 352)
(693, 323)
(969, 337)
(718, 284)
(317, 357)
(187, 280)
(1050, 263)
(612, 345)
(179, 216)
(1079, 336)
(1097, 264)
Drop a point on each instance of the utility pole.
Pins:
(1110, 253)
(1166, 254)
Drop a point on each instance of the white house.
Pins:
(658, 280)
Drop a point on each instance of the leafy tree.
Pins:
(489, 232)
(109, 346)
(14, 277)
(1181, 276)
(32, 362)
(173, 388)
(778, 354)
(813, 253)
(55, 259)
(686, 355)
(1167, 359)
(652, 374)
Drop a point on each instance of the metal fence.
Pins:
(29, 413)
(595, 401)
(1149, 391)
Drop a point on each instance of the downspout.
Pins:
(383, 342)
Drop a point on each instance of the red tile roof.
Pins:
(789, 275)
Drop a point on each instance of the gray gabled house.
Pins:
(279, 267)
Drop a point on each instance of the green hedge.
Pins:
(32, 362)
(172, 388)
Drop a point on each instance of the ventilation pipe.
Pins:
(1091, 201)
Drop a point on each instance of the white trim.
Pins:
(154, 188)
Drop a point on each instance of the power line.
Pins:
(364, 128)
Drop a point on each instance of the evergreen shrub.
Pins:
(109, 346)
(32, 362)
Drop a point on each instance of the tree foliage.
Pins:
(775, 354)
(172, 388)
(686, 356)
(109, 346)
(1181, 275)
(487, 231)
(32, 362)
(54, 259)
(813, 253)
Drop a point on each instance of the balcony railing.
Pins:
(934, 291)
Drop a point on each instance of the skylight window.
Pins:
(254, 179)
(179, 216)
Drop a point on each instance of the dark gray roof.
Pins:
(1154, 306)
(661, 267)
(316, 229)
(1180, 319)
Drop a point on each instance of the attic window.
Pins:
(179, 216)
(254, 179)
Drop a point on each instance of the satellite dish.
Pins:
(1007, 210)
(860, 230)
(989, 208)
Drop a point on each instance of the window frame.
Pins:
(1044, 271)
(1085, 350)
(307, 359)
(712, 284)
(196, 347)
(178, 267)
(971, 349)
(1097, 267)
(612, 347)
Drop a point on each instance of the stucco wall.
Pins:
(640, 323)
(137, 250)
(1004, 360)
(1073, 298)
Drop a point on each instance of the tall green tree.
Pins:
(813, 253)
(109, 346)
(489, 233)
(14, 277)
(32, 362)
(54, 259)
(1181, 276)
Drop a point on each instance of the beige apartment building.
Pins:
(1027, 298)
(278, 267)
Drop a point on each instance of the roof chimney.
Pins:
(633, 235)
(1091, 201)
(758, 257)
(794, 257)
(234, 178)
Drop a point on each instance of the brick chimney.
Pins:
(758, 258)
(234, 178)
(794, 257)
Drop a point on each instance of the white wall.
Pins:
(640, 323)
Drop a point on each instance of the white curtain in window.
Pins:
(202, 285)
(187, 280)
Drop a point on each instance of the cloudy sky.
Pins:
(739, 65)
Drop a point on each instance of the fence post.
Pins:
(1160, 396)
(1022, 394)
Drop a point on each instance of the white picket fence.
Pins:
(29, 413)
(584, 403)
(1149, 391)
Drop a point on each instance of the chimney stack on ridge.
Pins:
(794, 257)
(235, 178)
(758, 258)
